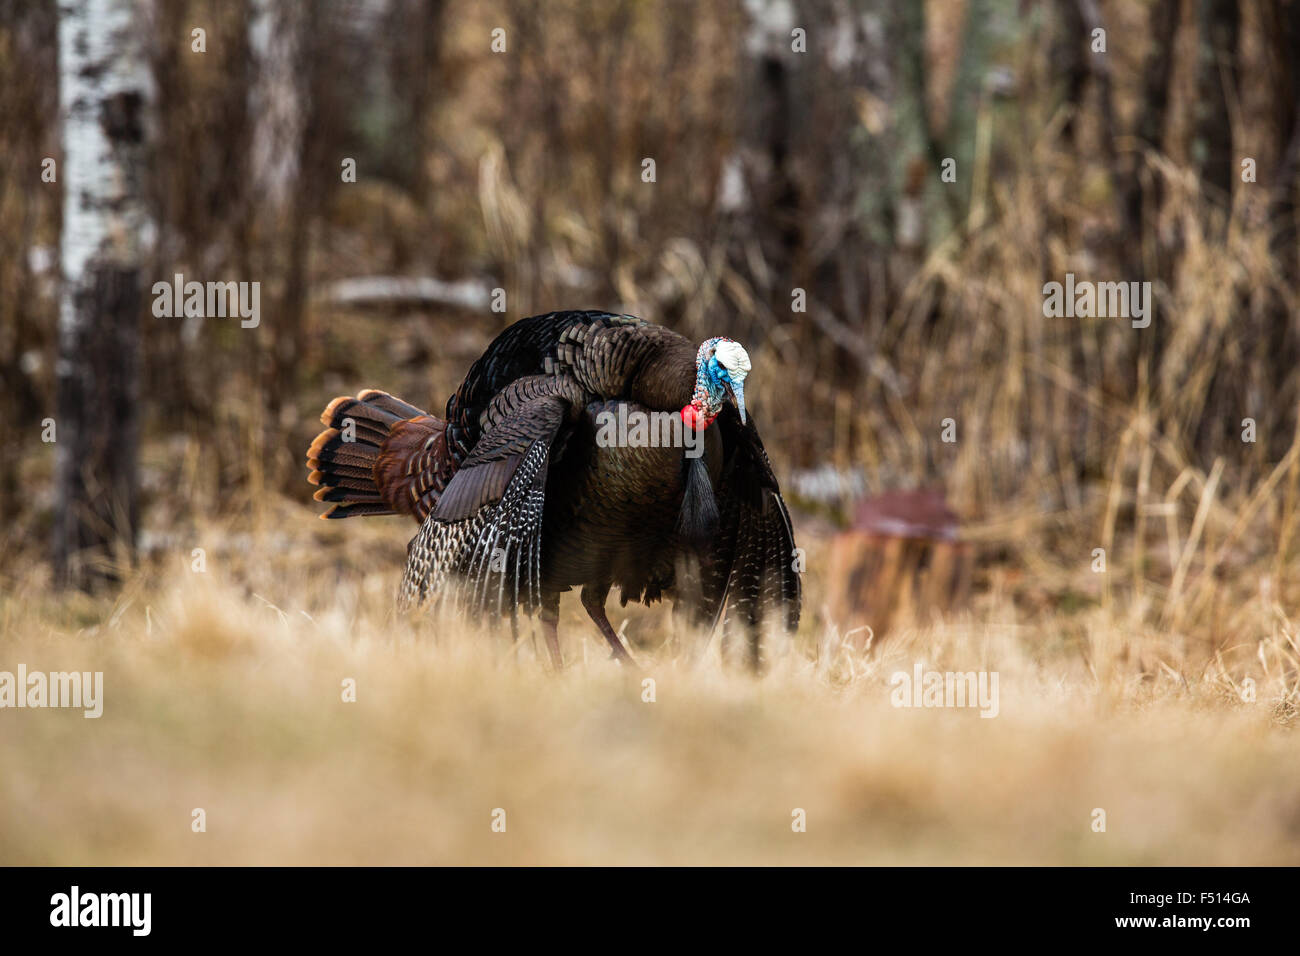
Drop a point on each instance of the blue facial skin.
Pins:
(718, 381)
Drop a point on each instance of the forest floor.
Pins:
(223, 690)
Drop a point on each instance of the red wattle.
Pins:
(694, 418)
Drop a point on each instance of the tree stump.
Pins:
(900, 563)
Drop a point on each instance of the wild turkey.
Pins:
(524, 490)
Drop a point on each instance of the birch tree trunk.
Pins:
(104, 90)
(279, 105)
(277, 101)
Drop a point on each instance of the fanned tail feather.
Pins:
(378, 455)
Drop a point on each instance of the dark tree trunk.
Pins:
(25, 139)
(97, 417)
(1156, 72)
(1282, 19)
(1069, 57)
(1219, 28)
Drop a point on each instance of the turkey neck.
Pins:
(666, 378)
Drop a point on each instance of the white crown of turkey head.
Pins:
(733, 357)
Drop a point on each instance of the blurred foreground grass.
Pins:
(226, 695)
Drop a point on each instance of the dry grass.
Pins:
(223, 691)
